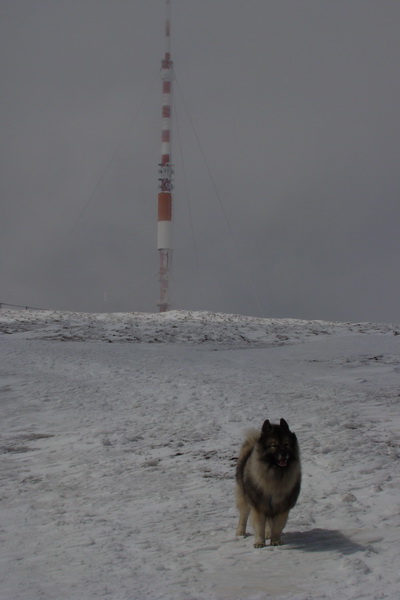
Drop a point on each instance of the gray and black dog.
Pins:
(268, 479)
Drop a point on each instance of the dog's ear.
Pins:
(284, 425)
(266, 428)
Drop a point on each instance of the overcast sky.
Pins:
(286, 154)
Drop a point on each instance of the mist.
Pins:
(286, 137)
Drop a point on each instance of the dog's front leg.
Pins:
(259, 520)
(277, 525)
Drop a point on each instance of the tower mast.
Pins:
(164, 225)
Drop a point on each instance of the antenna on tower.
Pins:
(164, 225)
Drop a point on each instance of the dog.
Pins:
(268, 480)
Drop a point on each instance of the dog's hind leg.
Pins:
(243, 517)
(259, 519)
(268, 529)
(244, 511)
(277, 525)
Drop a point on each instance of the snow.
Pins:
(119, 434)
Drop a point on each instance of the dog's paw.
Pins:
(276, 543)
(259, 545)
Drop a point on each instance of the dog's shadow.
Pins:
(322, 540)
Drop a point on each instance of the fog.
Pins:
(286, 142)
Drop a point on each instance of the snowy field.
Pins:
(119, 435)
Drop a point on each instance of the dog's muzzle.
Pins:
(282, 460)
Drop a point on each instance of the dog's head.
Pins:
(278, 445)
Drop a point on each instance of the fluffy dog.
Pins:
(268, 479)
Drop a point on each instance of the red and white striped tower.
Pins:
(164, 227)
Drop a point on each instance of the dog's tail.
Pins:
(252, 436)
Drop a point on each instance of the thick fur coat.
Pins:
(268, 479)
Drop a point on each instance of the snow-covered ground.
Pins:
(119, 435)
